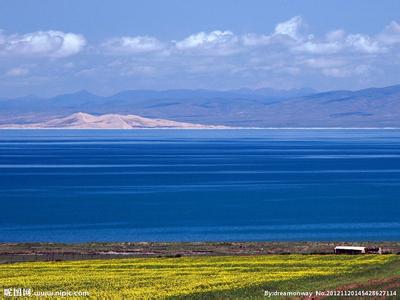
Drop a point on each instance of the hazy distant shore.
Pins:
(85, 121)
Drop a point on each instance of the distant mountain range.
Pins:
(109, 121)
(374, 107)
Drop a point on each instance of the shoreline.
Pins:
(24, 252)
(218, 129)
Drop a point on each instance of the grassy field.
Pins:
(201, 277)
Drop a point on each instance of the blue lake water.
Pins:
(199, 185)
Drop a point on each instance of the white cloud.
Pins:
(290, 28)
(17, 72)
(338, 41)
(287, 50)
(391, 34)
(333, 43)
(220, 42)
(216, 42)
(133, 45)
(319, 47)
(363, 43)
(203, 39)
(42, 43)
(287, 36)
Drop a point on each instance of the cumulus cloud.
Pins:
(133, 45)
(391, 34)
(290, 28)
(339, 41)
(219, 42)
(319, 47)
(42, 44)
(288, 50)
(290, 35)
(363, 43)
(203, 39)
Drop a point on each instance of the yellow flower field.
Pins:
(142, 278)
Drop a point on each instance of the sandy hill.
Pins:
(82, 120)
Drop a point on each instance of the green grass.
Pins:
(199, 277)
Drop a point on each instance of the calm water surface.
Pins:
(199, 185)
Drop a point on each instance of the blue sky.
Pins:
(51, 47)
